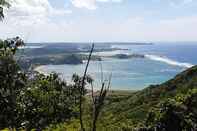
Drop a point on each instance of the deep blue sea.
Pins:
(162, 62)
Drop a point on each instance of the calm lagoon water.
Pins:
(162, 62)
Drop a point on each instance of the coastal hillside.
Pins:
(134, 108)
(149, 108)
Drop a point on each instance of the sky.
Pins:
(101, 20)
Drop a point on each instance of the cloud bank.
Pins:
(39, 21)
(24, 15)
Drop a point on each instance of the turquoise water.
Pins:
(162, 63)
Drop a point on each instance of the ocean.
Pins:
(162, 62)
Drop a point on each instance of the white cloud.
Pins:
(24, 15)
(90, 4)
(133, 29)
(109, 0)
(35, 8)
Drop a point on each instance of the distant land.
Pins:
(35, 54)
(88, 43)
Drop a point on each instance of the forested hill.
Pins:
(178, 95)
(181, 83)
(171, 106)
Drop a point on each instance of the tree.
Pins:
(32, 100)
(12, 80)
(47, 100)
(177, 114)
(3, 3)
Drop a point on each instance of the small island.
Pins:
(59, 59)
(125, 56)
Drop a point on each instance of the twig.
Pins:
(98, 102)
(82, 89)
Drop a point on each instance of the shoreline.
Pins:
(38, 69)
(121, 90)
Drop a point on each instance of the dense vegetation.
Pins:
(29, 99)
(171, 106)
(133, 109)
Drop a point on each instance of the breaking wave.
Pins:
(168, 61)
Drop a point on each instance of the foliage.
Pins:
(10, 46)
(3, 3)
(171, 102)
(177, 114)
(31, 100)
(47, 100)
(11, 82)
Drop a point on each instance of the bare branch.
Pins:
(82, 89)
